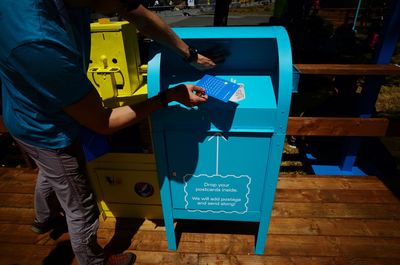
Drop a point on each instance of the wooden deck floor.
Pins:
(316, 220)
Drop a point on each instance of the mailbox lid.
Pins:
(258, 92)
(245, 49)
(252, 58)
(256, 111)
(238, 32)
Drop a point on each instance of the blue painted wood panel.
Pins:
(217, 172)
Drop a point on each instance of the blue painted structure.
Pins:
(220, 161)
(387, 46)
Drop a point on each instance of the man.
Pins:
(44, 53)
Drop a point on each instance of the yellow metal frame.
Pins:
(117, 74)
(115, 69)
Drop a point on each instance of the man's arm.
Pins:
(90, 113)
(154, 27)
(89, 110)
(56, 76)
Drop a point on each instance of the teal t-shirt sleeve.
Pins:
(54, 71)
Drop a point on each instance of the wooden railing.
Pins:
(348, 69)
(321, 126)
(364, 127)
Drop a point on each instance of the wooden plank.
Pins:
(320, 126)
(285, 245)
(11, 173)
(16, 200)
(7, 173)
(20, 181)
(222, 259)
(143, 257)
(336, 210)
(282, 245)
(233, 244)
(342, 196)
(14, 233)
(365, 247)
(334, 227)
(25, 254)
(292, 181)
(165, 258)
(237, 246)
(245, 231)
(348, 69)
(16, 215)
(361, 247)
(194, 242)
(278, 225)
(202, 234)
(17, 187)
(35, 255)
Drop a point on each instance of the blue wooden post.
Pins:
(162, 167)
(370, 92)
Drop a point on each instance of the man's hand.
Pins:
(203, 63)
(189, 95)
(210, 58)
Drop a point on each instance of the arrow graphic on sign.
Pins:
(217, 135)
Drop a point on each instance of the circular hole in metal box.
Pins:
(144, 189)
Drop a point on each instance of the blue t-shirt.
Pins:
(44, 53)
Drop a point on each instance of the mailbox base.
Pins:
(260, 239)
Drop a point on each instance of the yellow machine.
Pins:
(114, 68)
(125, 184)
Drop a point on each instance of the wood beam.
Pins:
(320, 126)
(348, 69)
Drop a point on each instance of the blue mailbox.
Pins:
(220, 161)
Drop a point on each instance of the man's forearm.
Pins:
(154, 27)
(128, 115)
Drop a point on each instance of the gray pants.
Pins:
(61, 173)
